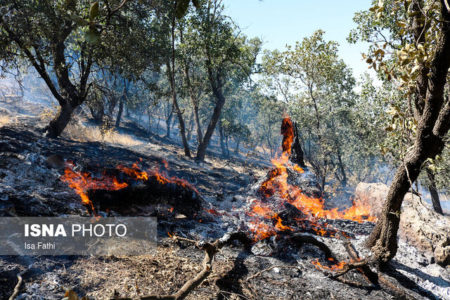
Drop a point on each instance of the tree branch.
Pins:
(16, 288)
(210, 250)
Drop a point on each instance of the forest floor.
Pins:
(30, 187)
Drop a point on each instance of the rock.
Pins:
(442, 253)
(419, 224)
(372, 195)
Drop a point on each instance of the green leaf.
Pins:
(78, 20)
(181, 8)
(92, 36)
(93, 12)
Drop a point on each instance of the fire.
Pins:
(82, 182)
(313, 208)
(133, 172)
(287, 130)
(335, 265)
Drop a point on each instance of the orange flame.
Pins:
(336, 265)
(82, 182)
(287, 131)
(313, 208)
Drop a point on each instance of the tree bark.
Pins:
(433, 126)
(201, 151)
(434, 193)
(59, 123)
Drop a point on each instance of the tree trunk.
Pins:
(57, 125)
(122, 101)
(190, 127)
(158, 120)
(201, 151)
(221, 140)
(434, 193)
(168, 124)
(383, 238)
(227, 148)
(297, 155)
(198, 125)
(171, 73)
(119, 113)
(149, 115)
(433, 125)
(236, 150)
(341, 167)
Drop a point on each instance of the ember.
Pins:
(333, 265)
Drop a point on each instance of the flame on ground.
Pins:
(314, 208)
(82, 182)
(334, 265)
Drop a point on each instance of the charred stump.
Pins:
(297, 155)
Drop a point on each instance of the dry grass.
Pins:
(160, 272)
(81, 133)
(5, 120)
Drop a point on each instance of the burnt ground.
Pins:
(29, 186)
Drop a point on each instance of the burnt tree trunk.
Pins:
(297, 156)
(433, 125)
(434, 193)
